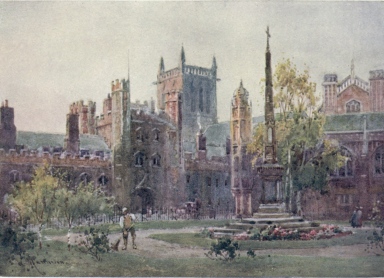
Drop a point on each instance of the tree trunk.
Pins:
(40, 237)
(69, 238)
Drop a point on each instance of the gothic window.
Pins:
(346, 169)
(14, 176)
(85, 178)
(103, 180)
(226, 182)
(345, 199)
(188, 178)
(208, 103)
(379, 161)
(353, 106)
(201, 100)
(156, 160)
(139, 159)
(217, 182)
(139, 134)
(156, 134)
(208, 181)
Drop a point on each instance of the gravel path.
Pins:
(153, 248)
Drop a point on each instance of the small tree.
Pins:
(85, 200)
(35, 201)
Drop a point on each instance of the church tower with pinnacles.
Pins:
(241, 136)
(187, 94)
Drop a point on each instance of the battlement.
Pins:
(330, 78)
(169, 74)
(202, 162)
(198, 71)
(376, 74)
(57, 159)
(119, 85)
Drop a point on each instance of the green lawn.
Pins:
(125, 264)
(191, 239)
(55, 260)
(175, 224)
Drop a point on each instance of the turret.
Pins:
(214, 65)
(182, 57)
(161, 66)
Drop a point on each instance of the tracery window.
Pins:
(139, 159)
(103, 180)
(379, 161)
(139, 134)
(14, 176)
(353, 106)
(85, 178)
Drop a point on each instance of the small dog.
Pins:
(115, 246)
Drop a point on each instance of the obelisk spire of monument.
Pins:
(270, 135)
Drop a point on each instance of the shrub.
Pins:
(18, 245)
(224, 250)
(95, 242)
(376, 241)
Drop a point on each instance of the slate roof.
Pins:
(217, 136)
(36, 140)
(354, 122)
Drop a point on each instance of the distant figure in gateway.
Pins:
(128, 225)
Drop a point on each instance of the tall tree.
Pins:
(302, 149)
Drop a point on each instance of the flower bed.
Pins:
(274, 232)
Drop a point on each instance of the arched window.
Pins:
(103, 180)
(379, 160)
(208, 103)
(156, 134)
(346, 169)
(353, 106)
(201, 100)
(139, 134)
(85, 178)
(139, 159)
(156, 160)
(14, 176)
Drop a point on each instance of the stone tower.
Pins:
(270, 172)
(120, 142)
(187, 93)
(330, 93)
(376, 80)
(241, 135)
(72, 137)
(7, 127)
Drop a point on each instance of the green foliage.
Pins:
(36, 200)
(251, 254)
(18, 246)
(376, 241)
(83, 201)
(224, 249)
(302, 149)
(94, 242)
(256, 235)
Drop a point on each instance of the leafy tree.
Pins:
(302, 149)
(83, 201)
(35, 201)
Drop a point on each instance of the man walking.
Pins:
(127, 223)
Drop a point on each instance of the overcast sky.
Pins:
(54, 53)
